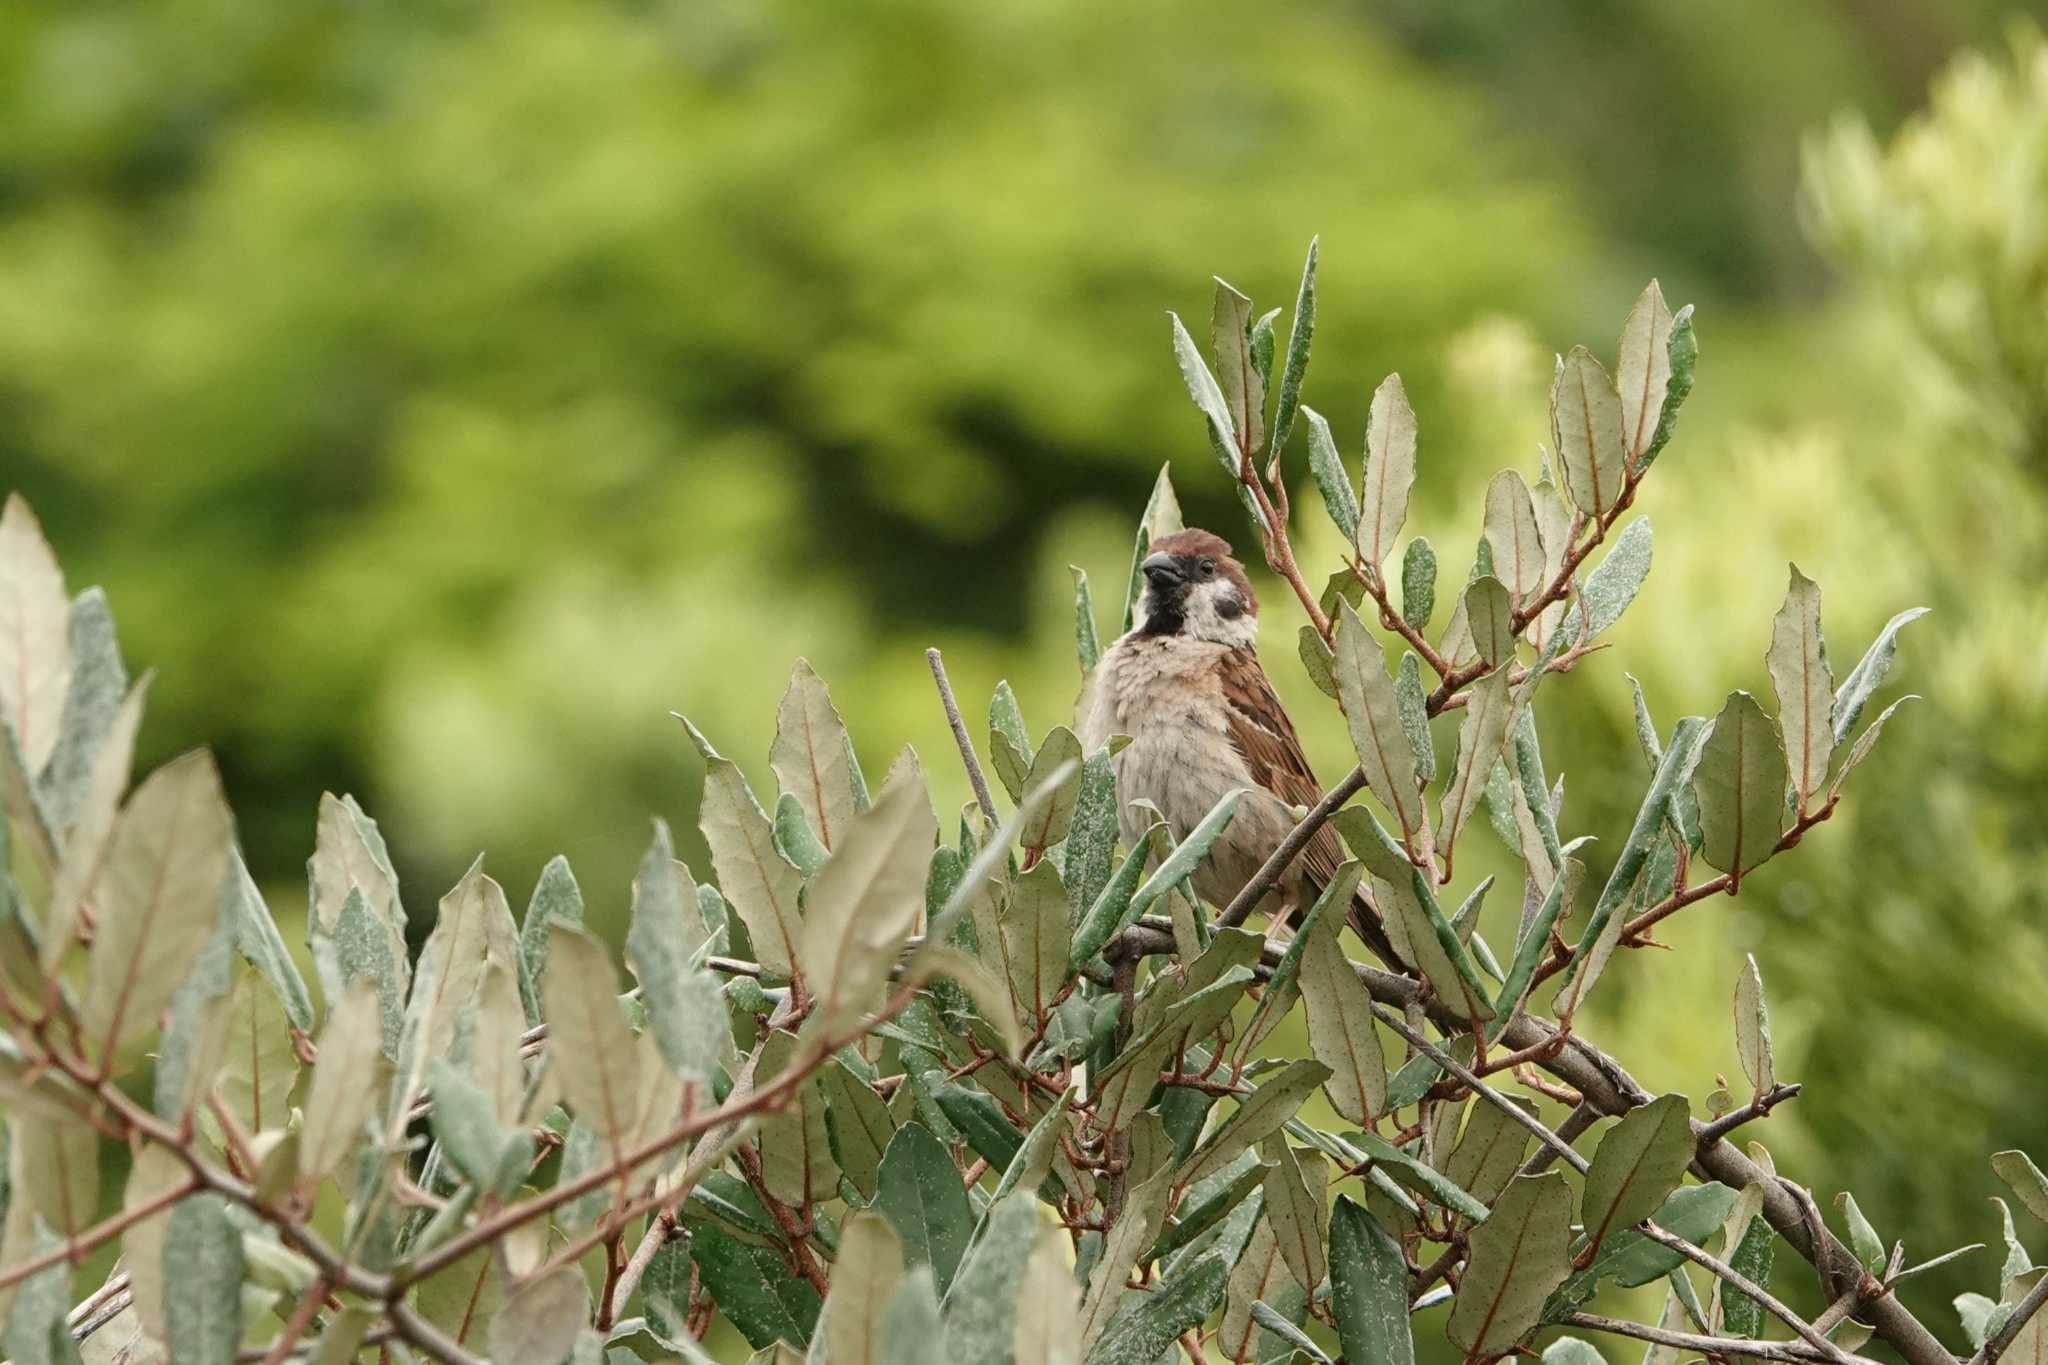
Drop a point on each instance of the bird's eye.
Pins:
(1208, 568)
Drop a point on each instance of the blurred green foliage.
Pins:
(444, 392)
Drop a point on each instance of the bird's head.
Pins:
(1195, 589)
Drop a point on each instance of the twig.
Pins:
(98, 1299)
(1744, 1284)
(967, 758)
(295, 1327)
(1270, 872)
(1690, 1341)
(2022, 1313)
(661, 1229)
(99, 1233)
(417, 1331)
(1760, 1107)
(1582, 1117)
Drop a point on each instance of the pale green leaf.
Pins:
(345, 1086)
(796, 1148)
(859, 1123)
(1639, 1162)
(860, 908)
(1753, 1028)
(86, 846)
(1368, 1289)
(1372, 710)
(1340, 1028)
(1154, 1321)
(1798, 662)
(2018, 1170)
(1162, 517)
(1048, 1306)
(1481, 734)
(1585, 422)
(1643, 369)
(1087, 644)
(1418, 582)
(864, 1279)
(1295, 1193)
(581, 992)
(541, 1320)
(1237, 373)
(1136, 1228)
(203, 1300)
(1740, 783)
(1489, 1152)
(257, 939)
(1207, 395)
(99, 682)
(683, 1005)
(36, 661)
(1865, 742)
(1489, 618)
(556, 897)
(1299, 337)
(1683, 348)
(756, 880)
(1258, 1116)
(1554, 908)
(1518, 1256)
(1389, 471)
(920, 1193)
(1511, 530)
(811, 754)
(980, 1306)
(1869, 673)
(1061, 752)
(1327, 467)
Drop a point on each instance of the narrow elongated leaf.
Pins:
(1237, 374)
(86, 846)
(1643, 368)
(1327, 467)
(1259, 1115)
(1511, 531)
(1295, 367)
(1368, 1289)
(1048, 1306)
(349, 853)
(1740, 783)
(920, 1193)
(1126, 1084)
(1481, 735)
(980, 1307)
(1372, 710)
(1418, 582)
(1489, 617)
(1683, 348)
(1389, 471)
(1135, 1228)
(188, 1054)
(1865, 742)
(864, 1280)
(683, 1005)
(1187, 855)
(1294, 1203)
(1585, 421)
(1110, 912)
(1036, 938)
(472, 927)
(796, 1146)
(1060, 753)
(258, 940)
(1798, 662)
(99, 682)
(203, 1300)
(581, 992)
(1863, 1238)
(541, 1320)
(810, 754)
(1140, 1334)
(861, 907)
(1087, 644)
(1207, 395)
(1637, 1165)
(1630, 1259)
(1518, 1257)
(155, 1173)
(1260, 1275)
(1613, 584)
(1488, 1153)
(158, 898)
(56, 1167)
(556, 897)
(2018, 1170)
(1672, 773)
(1340, 1029)
(753, 1288)
(1535, 945)
(346, 1084)
(860, 1125)
(1753, 1028)
(36, 662)
(1415, 921)
(755, 878)
(1864, 679)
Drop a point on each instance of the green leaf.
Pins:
(1753, 1028)
(1865, 742)
(541, 1320)
(1489, 617)
(684, 1009)
(36, 661)
(1340, 1028)
(864, 1277)
(203, 1300)
(861, 906)
(1863, 1238)
(1207, 395)
(1643, 372)
(345, 1086)
(1054, 815)
(99, 682)
(1368, 1289)
(1742, 1315)
(556, 898)
(1489, 1153)
(1416, 1174)
(1110, 912)
(1684, 349)
(1135, 1228)
(1613, 584)
(1481, 735)
(793, 837)
(1209, 1203)
(1864, 679)
(466, 1125)
(1555, 907)
(1418, 582)
(157, 899)
(92, 829)
(796, 1148)
(1259, 1115)
(1294, 1205)
(1585, 422)
(1415, 921)
(1260, 1274)
(980, 1306)
(1139, 1334)
(1518, 1256)
(581, 992)
(1409, 691)
(1087, 645)
(1048, 1306)
(1637, 1165)
(1126, 1084)
(919, 1192)
(1372, 710)
(1693, 1212)
(349, 853)
(258, 940)
(1672, 773)
(188, 1054)
(1296, 366)
(35, 1331)
(1283, 989)
(1389, 471)
(1740, 783)
(910, 1321)
(259, 1064)
(2017, 1261)
(1162, 517)
(1188, 855)
(811, 754)
(1090, 850)
(2018, 1170)
(1230, 340)
(1571, 1351)
(1035, 938)
(859, 1123)
(753, 1288)
(756, 880)
(1511, 531)
(1334, 481)
(473, 926)
(1798, 662)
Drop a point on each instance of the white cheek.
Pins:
(1206, 622)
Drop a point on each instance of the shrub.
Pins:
(996, 1091)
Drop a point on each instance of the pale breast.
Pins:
(1163, 692)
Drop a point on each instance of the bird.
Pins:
(1185, 684)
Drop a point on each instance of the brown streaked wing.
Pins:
(1264, 737)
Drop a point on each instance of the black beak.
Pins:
(1162, 570)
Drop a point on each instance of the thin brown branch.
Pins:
(967, 758)
(1692, 1341)
(1269, 874)
(98, 1234)
(295, 1327)
(2022, 1313)
(1758, 1108)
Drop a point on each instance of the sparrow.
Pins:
(1185, 684)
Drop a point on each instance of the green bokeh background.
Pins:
(444, 392)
